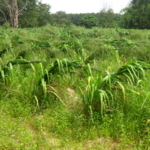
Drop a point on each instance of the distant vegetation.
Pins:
(34, 13)
(137, 15)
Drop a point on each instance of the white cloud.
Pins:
(84, 6)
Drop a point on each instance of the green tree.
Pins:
(58, 16)
(31, 13)
(36, 14)
(29, 18)
(44, 14)
(60, 19)
(137, 14)
(13, 10)
(89, 21)
(106, 18)
(3, 14)
(117, 20)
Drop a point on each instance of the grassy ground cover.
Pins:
(74, 88)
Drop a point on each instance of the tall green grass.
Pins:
(62, 88)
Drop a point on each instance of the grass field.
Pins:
(74, 88)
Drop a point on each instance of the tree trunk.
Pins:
(15, 15)
(15, 21)
(14, 11)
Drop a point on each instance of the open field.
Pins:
(74, 88)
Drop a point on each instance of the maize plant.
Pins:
(99, 96)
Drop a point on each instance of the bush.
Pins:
(89, 21)
(6, 25)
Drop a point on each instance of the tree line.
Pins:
(105, 18)
(24, 13)
(33, 13)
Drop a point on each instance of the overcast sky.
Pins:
(85, 6)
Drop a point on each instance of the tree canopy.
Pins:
(34, 13)
(89, 21)
(25, 13)
(137, 15)
(106, 18)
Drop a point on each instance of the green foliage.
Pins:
(60, 66)
(6, 25)
(89, 21)
(69, 88)
(99, 97)
(36, 14)
(62, 22)
(136, 15)
(60, 19)
(106, 17)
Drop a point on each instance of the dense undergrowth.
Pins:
(74, 88)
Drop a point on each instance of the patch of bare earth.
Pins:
(104, 144)
(73, 98)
